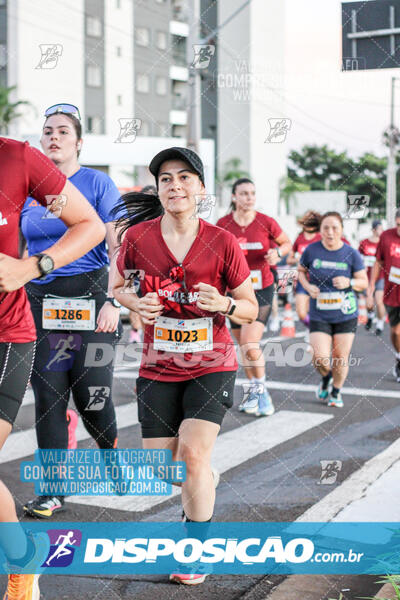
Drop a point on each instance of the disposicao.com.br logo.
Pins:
(192, 550)
(63, 543)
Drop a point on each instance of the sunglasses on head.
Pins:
(66, 109)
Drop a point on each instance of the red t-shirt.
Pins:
(255, 241)
(214, 258)
(301, 242)
(368, 249)
(24, 171)
(388, 254)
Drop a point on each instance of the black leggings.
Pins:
(16, 362)
(59, 368)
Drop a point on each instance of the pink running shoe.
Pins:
(72, 420)
(134, 337)
(188, 578)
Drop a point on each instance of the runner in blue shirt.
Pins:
(335, 272)
(73, 307)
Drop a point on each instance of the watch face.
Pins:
(46, 264)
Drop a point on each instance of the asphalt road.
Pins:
(277, 483)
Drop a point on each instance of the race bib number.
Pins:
(68, 313)
(189, 335)
(394, 275)
(369, 261)
(256, 279)
(330, 301)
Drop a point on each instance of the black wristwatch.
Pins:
(113, 301)
(45, 264)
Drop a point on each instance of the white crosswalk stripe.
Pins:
(231, 449)
(23, 443)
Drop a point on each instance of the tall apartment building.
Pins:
(117, 60)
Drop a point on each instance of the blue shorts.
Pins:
(379, 285)
(300, 289)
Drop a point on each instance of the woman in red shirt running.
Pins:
(255, 232)
(310, 223)
(26, 171)
(367, 249)
(184, 266)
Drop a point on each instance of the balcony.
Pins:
(178, 117)
(178, 57)
(178, 73)
(179, 102)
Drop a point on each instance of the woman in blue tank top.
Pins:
(74, 309)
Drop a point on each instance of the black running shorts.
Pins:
(264, 299)
(348, 326)
(393, 314)
(163, 405)
(16, 362)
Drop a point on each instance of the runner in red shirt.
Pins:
(256, 233)
(388, 258)
(367, 249)
(26, 171)
(182, 267)
(310, 223)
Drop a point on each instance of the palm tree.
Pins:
(288, 187)
(232, 170)
(9, 110)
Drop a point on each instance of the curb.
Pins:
(386, 592)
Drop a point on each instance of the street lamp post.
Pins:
(393, 136)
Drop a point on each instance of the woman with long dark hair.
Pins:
(263, 244)
(183, 267)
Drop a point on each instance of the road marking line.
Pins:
(23, 443)
(229, 452)
(353, 488)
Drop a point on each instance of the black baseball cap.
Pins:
(376, 223)
(185, 154)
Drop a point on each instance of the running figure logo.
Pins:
(50, 54)
(202, 55)
(132, 280)
(62, 547)
(204, 205)
(329, 471)
(98, 396)
(357, 206)
(55, 204)
(278, 130)
(62, 351)
(128, 129)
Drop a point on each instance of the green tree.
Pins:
(288, 187)
(231, 171)
(323, 168)
(9, 111)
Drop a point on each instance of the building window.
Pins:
(161, 86)
(119, 100)
(94, 125)
(161, 40)
(93, 26)
(119, 51)
(3, 55)
(143, 83)
(142, 36)
(178, 130)
(93, 76)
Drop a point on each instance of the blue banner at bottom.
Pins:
(235, 548)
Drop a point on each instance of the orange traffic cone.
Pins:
(362, 310)
(288, 328)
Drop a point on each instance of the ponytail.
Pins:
(135, 208)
